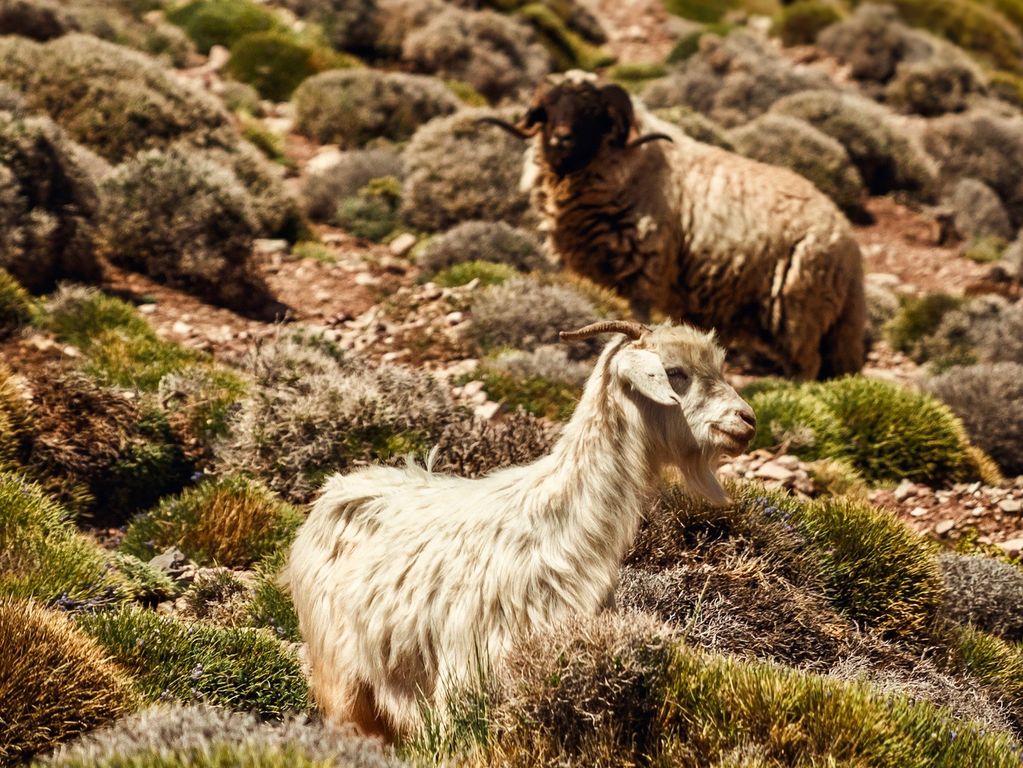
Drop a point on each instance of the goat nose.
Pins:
(748, 416)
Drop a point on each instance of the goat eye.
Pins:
(677, 373)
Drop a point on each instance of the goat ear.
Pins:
(619, 110)
(645, 373)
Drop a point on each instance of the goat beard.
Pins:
(700, 477)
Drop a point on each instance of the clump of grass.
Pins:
(689, 44)
(217, 596)
(241, 669)
(202, 736)
(15, 421)
(985, 250)
(15, 305)
(120, 347)
(373, 211)
(57, 682)
(474, 447)
(486, 272)
(883, 431)
(271, 606)
(204, 397)
(233, 522)
(800, 23)
(996, 664)
(490, 241)
(983, 592)
(45, 558)
(918, 318)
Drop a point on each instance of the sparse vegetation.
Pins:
(488, 241)
(983, 592)
(348, 172)
(917, 319)
(15, 305)
(275, 62)
(801, 22)
(473, 447)
(233, 522)
(373, 211)
(485, 272)
(222, 22)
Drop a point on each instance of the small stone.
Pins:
(403, 243)
(905, 489)
(171, 561)
(72, 351)
(919, 511)
(454, 318)
(390, 357)
(944, 527)
(788, 461)
(472, 388)
(1011, 546)
(973, 487)
(1011, 506)
(269, 247)
(772, 470)
(181, 328)
(365, 279)
(147, 309)
(487, 411)
(219, 56)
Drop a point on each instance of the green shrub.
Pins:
(458, 171)
(276, 62)
(568, 49)
(44, 556)
(996, 664)
(486, 272)
(15, 422)
(241, 669)
(201, 736)
(1007, 86)
(373, 211)
(885, 158)
(918, 319)
(985, 250)
(800, 22)
(705, 11)
(985, 329)
(689, 44)
(944, 82)
(696, 126)
(349, 25)
(797, 145)
(233, 522)
(979, 217)
(15, 305)
(203, 397)
(476, 447)
(352, 107)
(484, 241)
(328, 183)
(268, 142)
(49, 202)
(983, 592)
(217, 596)
(56, 684)
(222, 22)
(184, 220)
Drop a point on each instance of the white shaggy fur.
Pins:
(406, 582)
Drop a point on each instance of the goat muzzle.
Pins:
(517, 131)
(632, 330)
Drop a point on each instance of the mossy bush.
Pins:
(45, 558)
(326, 183)
(312, 412)
(983, 592)
(797, 145)
(222, 22)
(57, 682)
(985, 250)
(696, 126)
(567, 48)
(243, 669)
(111, 99)
(49, 203)
(373, 212)
(982, 146)
(985, 329)
(271, 607)
(349, 25)
(539, 396)
(232, 521)
(885, 157)
(994, 663)
(632, 77)
(202, 397)
(523, 313)
(882, 430)
(15, 305)
(352, 107)
(488, 241)
(689, 43)
(458, 171)
(476, 447)
(801, 22)
(731, 79)
(218, 596)
(276, 62)
(187, 221)
(485, 272)
(202, 736)
(1006, 86)
(978, 213)
(498, 56)
(872, 42)
(989, 400)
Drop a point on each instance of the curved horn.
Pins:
(630, 329)
(514, 130)
(648, 137)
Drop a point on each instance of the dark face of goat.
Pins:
(575, 119)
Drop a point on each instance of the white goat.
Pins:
(404, 581)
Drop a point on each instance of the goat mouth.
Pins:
(735, 442)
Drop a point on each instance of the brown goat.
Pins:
(696, 232)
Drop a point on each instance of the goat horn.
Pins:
(630, 329)
(648, 137)
(514, 130)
